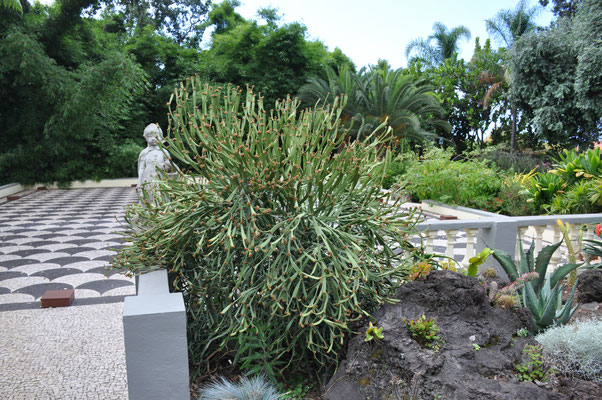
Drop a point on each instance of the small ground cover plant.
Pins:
(534, 368)
(425, 332)
(276, 230)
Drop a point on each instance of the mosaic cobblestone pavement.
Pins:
(62, 239)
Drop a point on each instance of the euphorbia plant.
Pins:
(278, 235)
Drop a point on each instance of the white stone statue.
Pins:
(151, 160)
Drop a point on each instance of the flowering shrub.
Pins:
(279, 238)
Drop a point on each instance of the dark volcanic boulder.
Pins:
(397, 367)
(589, 286)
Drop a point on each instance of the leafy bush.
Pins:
(574, 350)
(573, 186)
(122, 161)
(280, 239)
(256, 388)
(396, 169)
(512, 161)
(470, 183)
(514, 201)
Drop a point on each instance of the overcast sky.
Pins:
(367, 30)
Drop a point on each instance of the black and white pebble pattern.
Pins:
(62, 239)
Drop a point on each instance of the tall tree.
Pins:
(439, 46)
(562, 8)
(183, 20)
(557, 77)
(507, 26)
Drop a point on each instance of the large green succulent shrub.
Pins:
(278, 235)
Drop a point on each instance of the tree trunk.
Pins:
(513, 134)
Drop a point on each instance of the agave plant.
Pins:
(542, 296)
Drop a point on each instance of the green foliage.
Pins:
(64, 122)
(373, 333)
(574, 350)
(472, 94)
(593, 247)
(507, 160)
(78, 90)
(122, 161)
(572, 187)
(256, 388)
(556, 79)
(424, 331)
(397, 168)
(476, 347)
(514, 200)
(534, 369)
(476, 261)
(542, 296)
(378, 95)
(469, 183)
(509, 25)
(13, 5)
(444, 47)
(522, 332)
(280, 230)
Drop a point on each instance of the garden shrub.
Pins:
(512, 195)
(279, 238)
(574, 350)
(507, 160)
(396, 169)
(470, 183)
(573, 186)
(122, 161)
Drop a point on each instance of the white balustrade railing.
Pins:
(507, 234)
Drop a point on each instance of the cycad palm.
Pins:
(378, 94)
(446, 44)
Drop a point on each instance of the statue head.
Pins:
(153, 134)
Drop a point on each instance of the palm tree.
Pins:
(507, 26)
(378, 94)
(445, 44)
